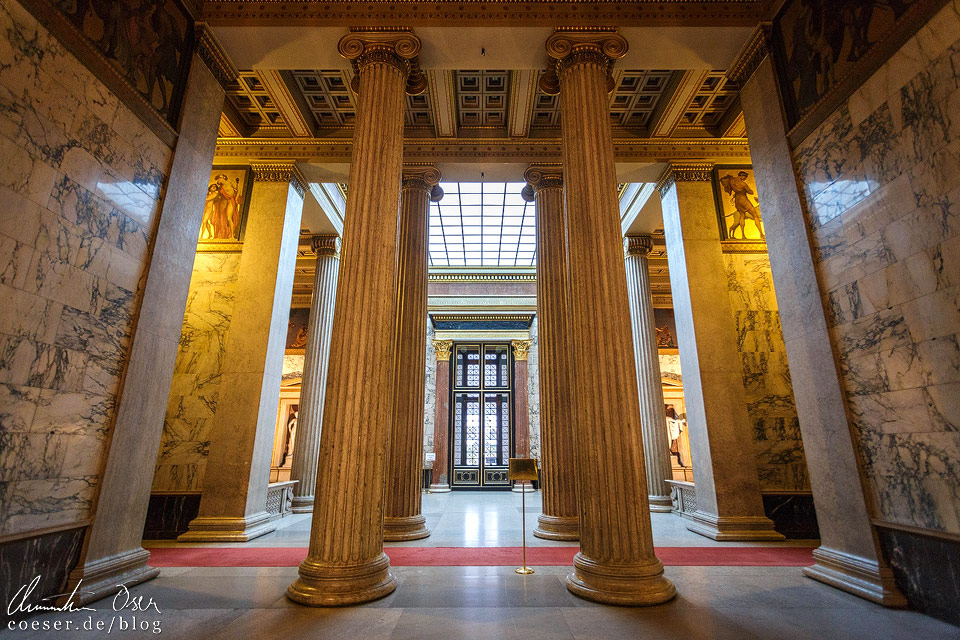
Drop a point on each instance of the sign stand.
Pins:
(522, 470)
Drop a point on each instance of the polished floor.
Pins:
(493, 603)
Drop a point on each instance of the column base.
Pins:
(322, 585)
(215, 529)
(660, 504)
(439, 488)
(856, 575)
(302, 504)
(522, 487)
(631, 585)
(557, 527)
(102, 578)
(405, 528)
(732, 527)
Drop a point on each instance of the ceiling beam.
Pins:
(523, 90)
(442, 102)
(295, 118)
(667, 119)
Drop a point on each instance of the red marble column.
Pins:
(521, 408)
(441, 419)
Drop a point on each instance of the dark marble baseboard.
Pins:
(169, 515)
(793, 515)
(51, 556)
(926, 570)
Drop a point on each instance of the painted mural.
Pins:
(146, 40)
(666, 328)
(297, 330)
(735, 192)
(818, 42)
(226, 204)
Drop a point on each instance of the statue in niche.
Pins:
(675, 425)
(291, 433)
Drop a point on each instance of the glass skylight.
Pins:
(482, 224)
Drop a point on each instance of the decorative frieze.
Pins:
(211, 52)
(280, 172)
(750, 56)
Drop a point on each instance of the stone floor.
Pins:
(493, 603)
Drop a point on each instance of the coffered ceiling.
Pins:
(496, 103)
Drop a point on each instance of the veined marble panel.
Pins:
(766, 376)
(80, 191)
(197, 375)
(881, 178)
(430, 391)
(533, 390)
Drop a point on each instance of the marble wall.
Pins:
(881, 181)
(80, 189)
(766, 377)
(430, 393)
(533, 390)
(196, 379)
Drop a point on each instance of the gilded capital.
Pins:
(568, 48)
(537, 177)
(395, 47)
(638, 245)
(521, 348)
(328, 246)
(425, 177)
(280, 172)
(442, 348)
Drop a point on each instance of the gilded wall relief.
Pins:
(738, 210)
(225, 208)
(148, 42)
(817, 43)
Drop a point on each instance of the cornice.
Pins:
(750, 56)
(211, 52)
(493, 13)
(435, 150)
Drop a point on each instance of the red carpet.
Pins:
(480, 556)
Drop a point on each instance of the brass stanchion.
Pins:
(523, 469)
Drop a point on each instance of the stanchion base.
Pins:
(524, 571)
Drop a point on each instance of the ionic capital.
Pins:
(638, 245)
(442, 348)
(684, 172)
(425, 177)
(395, 47)
(280, 172)
(521, 349)
(544, 176)
(328, 246)
(569, 48)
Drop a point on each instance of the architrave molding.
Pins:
(751, 55)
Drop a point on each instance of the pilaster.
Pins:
(729, 506)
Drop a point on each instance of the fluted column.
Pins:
(729, 504)
(306, 448)
(441, 419)
(656, 448)
(559, 519)
(403, 520)
(616, 563)
(521, 407)
(345, 563)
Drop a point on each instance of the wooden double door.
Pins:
(481, 420)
